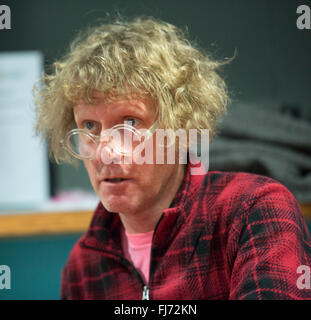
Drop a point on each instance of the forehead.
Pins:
(102, 107)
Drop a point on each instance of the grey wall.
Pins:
(273, 55)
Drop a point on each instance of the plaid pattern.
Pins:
(227, 235)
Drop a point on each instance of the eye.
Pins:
(91, 126)
(133, 122)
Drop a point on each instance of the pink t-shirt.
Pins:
(137, 248)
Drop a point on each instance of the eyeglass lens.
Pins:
(121, 140)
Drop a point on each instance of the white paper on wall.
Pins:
(24, 174)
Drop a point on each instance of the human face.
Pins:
(144, 187)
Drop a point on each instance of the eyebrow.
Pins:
(123, 107)
(128, 104)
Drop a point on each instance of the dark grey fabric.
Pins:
(263, 140)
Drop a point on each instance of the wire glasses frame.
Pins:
(83, 145)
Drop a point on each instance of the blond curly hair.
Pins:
(142, 55)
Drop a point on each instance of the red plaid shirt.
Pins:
(226, 235)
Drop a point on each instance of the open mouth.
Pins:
(115, 180)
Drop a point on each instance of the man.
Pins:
(161, 230)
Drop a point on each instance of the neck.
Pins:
(146, 220)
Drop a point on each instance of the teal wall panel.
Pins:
(36, 264)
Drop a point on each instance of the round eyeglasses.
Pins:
(122, 139)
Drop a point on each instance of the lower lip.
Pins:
(116, 184)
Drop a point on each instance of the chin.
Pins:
(117, 204)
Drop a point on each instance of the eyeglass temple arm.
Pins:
(153, 127)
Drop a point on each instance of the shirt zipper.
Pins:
(145, 288)
(145, 293)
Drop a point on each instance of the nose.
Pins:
(105, 153)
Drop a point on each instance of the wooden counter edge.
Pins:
(45, 223)
(35, 224)
(306, 210)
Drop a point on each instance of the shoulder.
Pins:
(238, 181)
(245, 187)
(242, 195)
